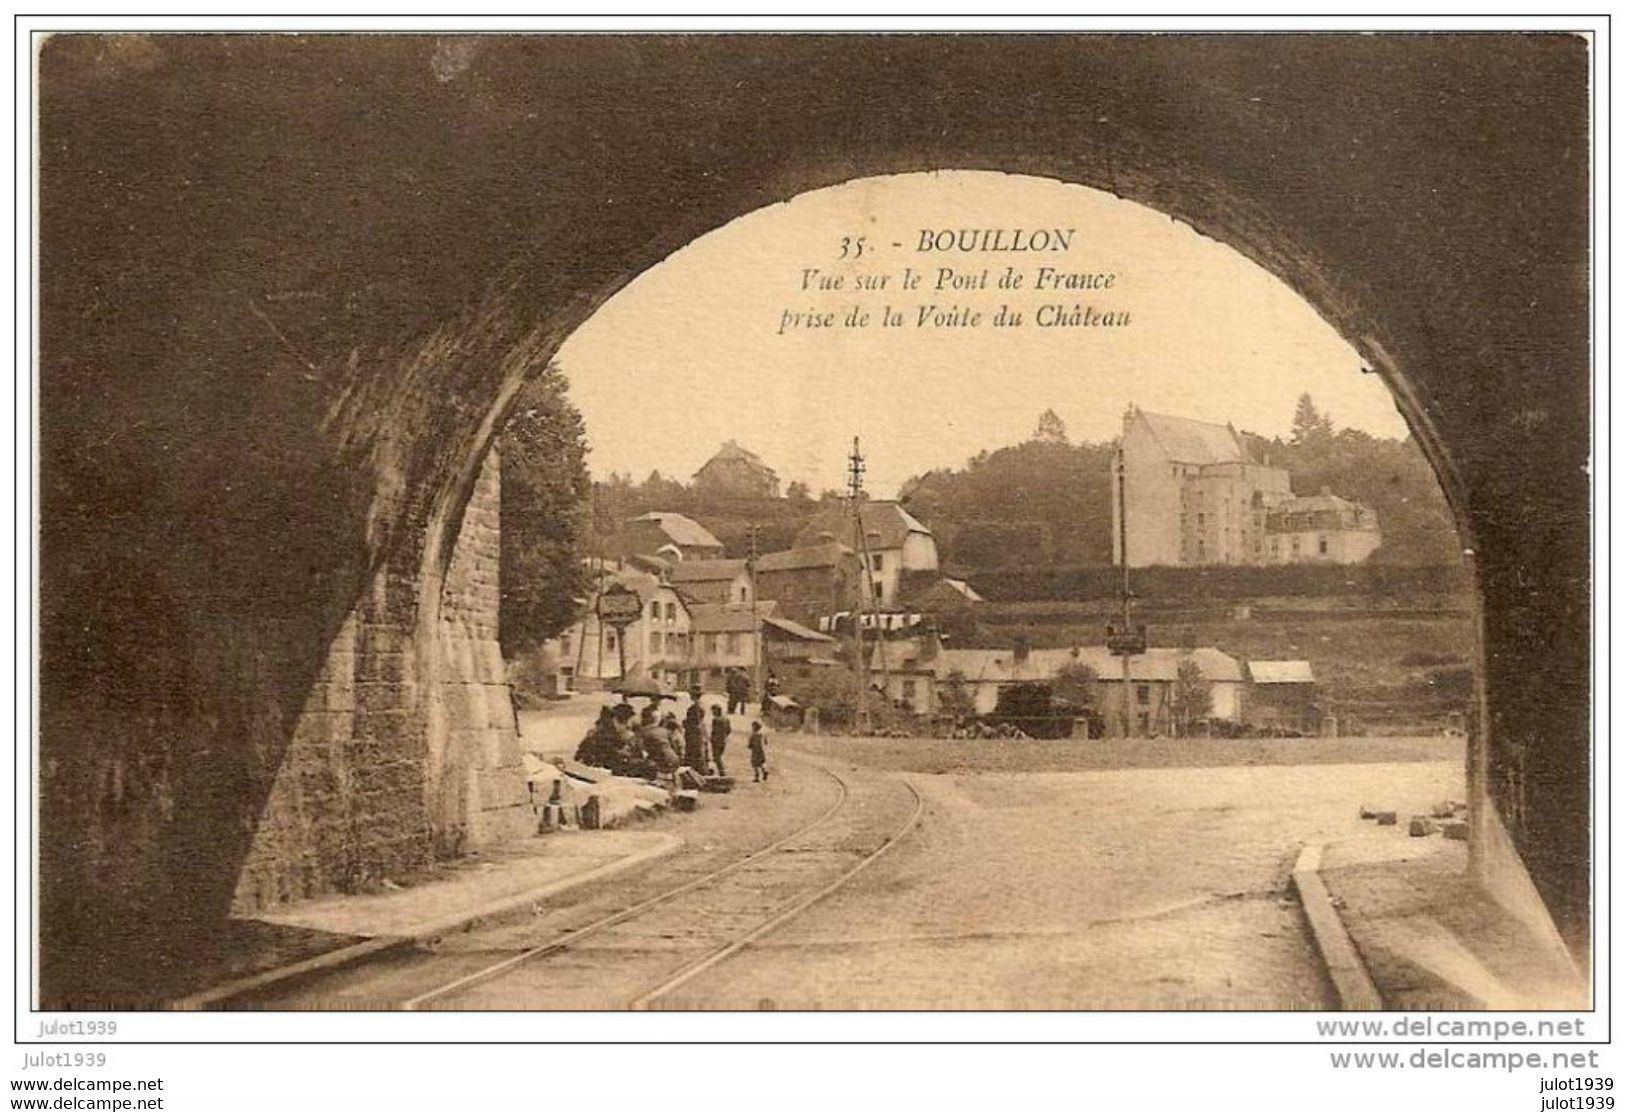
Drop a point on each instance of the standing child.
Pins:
(758, 753)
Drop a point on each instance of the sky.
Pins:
(696, 350)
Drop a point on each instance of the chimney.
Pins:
(930, 644)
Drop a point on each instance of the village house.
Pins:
(671, 536)
(934, 593)
(1197, 497)
(915, 673)
(794, 651)
(724, 636)
(1282, 695)
(1321, 529)
(951, 603)
(897, 542)
(713, 581)
(737, 472)
(590, 653)
(810, 583)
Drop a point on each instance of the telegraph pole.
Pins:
(752, 532)
(854, 474)
(1126, 642)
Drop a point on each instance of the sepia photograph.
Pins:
(786, 522)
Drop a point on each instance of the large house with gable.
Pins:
(1197, 497)
(897, 543)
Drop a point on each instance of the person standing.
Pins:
(694, 736)
(720, 729)
(758, 753)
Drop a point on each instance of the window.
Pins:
(733, 644)
(1323, 546)
(654, 611)
(1142, 693)
(564, 644)
(654, 641)
(609, 640)
(744, 593)
(909, 688)
(879, 561)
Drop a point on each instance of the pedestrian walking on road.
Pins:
(758, 753)
(738, 691)
(720, 729)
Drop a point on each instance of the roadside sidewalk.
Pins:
(501, 881)
(1430, 940)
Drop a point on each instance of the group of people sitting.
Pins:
(648, 745)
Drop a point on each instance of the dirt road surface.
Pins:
(1158, 887)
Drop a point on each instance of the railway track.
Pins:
(676, 936)
(634, 956)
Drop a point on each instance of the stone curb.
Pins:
(459, 921)
(1355, 990)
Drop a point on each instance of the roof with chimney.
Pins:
(647, 586)
(720, 617)
(732, 452)
(1311, 503)
(886, 522)
(795, 630)
(1041, 665)
(826, 555)
(1281, 671)
(705, 571)
(928, 589)
(680, 529)
(1196, 442)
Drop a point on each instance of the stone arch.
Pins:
(265, 407)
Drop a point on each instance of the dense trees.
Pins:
(1044, 502)
(545, 506)
(1191, 698)
(1051, 429)
(1075, 685)
(1047, 502)
(1309, 424)
(1390, 476)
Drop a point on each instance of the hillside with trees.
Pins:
(1046, 503)
(1391, 476)
(1025, 522)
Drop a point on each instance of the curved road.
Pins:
(1150, 888)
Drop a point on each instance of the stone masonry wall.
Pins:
(346, 806)
(402, 753)
(474, 759)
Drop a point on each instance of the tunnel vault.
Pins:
(289, 285)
